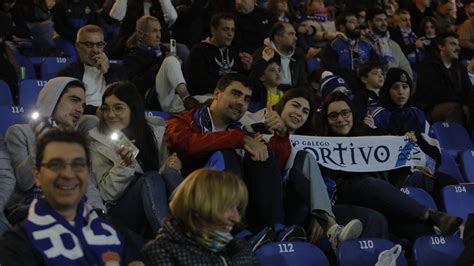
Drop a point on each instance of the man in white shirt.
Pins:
(93, 66)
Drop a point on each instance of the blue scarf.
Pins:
(154, 51)
(90, 241)
(382, 43)
(202, 118)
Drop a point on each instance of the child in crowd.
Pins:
(372, 77)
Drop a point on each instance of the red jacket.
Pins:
(281, 147)
(194, 147)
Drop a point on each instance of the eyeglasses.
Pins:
(56, 165)
(333, 116)
(91, 45)
(117, 109)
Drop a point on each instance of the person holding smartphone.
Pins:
(135, 187)
(62, 102)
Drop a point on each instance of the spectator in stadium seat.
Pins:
(466, 32)
(443, 84)
(7, 184)
(306, 195)
(129, 11)
(151, 67)
(252, 25)
(420, 9)
(345, 54)
(204, 208)
(59, 104)
(212, 136)
(371, 190)
(214, 57)
(292, 59)
(389, 52)
(61, 228)
(69, 16)
(445, 14)
(92, 66)
(134, 186)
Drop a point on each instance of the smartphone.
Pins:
(172, 46)
(120, 140)
(36, 119)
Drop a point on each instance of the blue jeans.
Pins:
(145, 203)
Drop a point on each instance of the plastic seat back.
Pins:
(291, 253)
(437, 250)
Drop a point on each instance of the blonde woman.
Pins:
(204, 209)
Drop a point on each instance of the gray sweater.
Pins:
(20, 141)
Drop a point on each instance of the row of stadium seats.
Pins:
(427, 251)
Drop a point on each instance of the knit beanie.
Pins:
(330, 82)
(49, 96)
(395, 75)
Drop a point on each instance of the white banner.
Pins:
(361, 154)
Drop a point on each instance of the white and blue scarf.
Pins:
(89, 240)
(382, 44)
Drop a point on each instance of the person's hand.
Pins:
(173, 162)
(419, 42)
(274, 122)
(369, 121)
(41, 129)
(268, 53)
(315, 230)
(259, 137)
(246, 59)
(333, 35)
(312, 52)
(411, 137)
(102, 62)
(257, 150)
(190, 102)
(126, 154)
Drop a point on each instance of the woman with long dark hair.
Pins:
(134, 186)
(370, 189)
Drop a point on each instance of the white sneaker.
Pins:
(338, 233)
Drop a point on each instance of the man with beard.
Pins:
(93, 66)
(252, 25)
(389, 52)
(292, 59)
(214, 57)
(211, 136)
(443, 84)
(346, 53)
(60, 104)
(466, 32)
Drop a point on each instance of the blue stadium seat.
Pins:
(437, 250)
(444, 132)
(66, 48)
(163, 115)
(11, 115)
(458, 200)
(290, 253)
(467, 165)
(51, 66)
(6, 97)
(29, 90)
(420, 195)
(313, 63)
(25, 62)
(364, 252)
(450, 167)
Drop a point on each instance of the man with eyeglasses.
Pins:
(61, 228)
(93, 66)
(60, 104)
